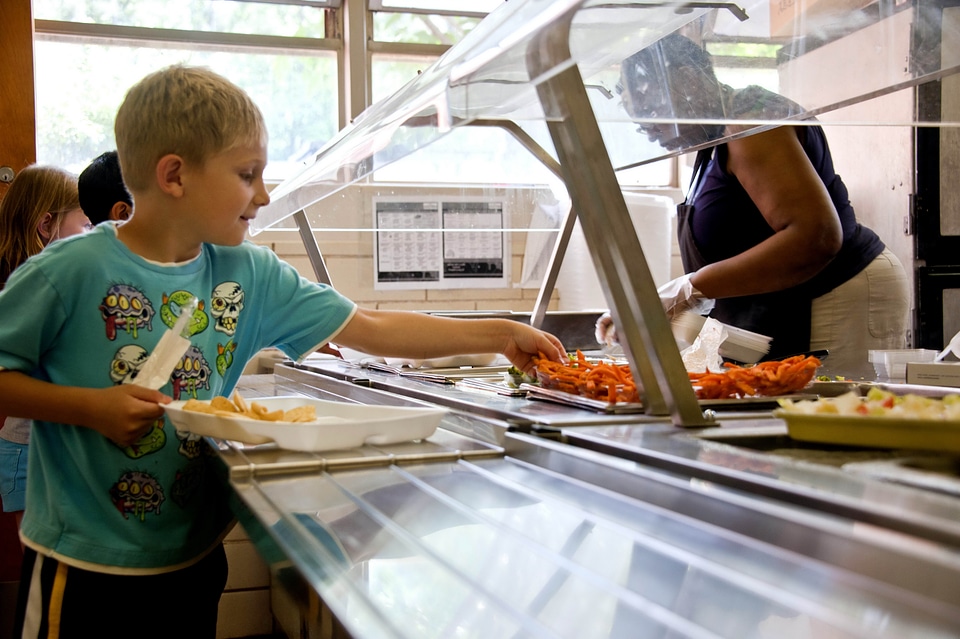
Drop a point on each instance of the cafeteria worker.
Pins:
(767, 232)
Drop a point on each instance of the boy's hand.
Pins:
(527, 343)
(123, 414)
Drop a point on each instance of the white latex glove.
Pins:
(605, 331)
(679, 295)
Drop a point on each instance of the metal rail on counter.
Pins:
(492, 532)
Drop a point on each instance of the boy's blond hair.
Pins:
(189, 111)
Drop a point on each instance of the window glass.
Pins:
(80, 87)
(390, 72)
(421, 28)
(480, 155)
(750, 71)
(224, 16)
(457, 6)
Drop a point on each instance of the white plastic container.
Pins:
(577, 279)
(891, 366)
(741, 345)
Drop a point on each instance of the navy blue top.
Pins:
(723, 221)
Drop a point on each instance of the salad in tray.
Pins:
(878, 403)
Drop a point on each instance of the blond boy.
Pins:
(124, 519)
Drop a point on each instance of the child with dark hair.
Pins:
(103, 195)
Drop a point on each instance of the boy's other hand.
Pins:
(125, 413)
(526, 343)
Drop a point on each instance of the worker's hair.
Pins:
(662, 56)
(36, 191)
(188, 111)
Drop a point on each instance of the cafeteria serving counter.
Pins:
(523, 518)
(520, 518)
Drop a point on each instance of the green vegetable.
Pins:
(513, 377)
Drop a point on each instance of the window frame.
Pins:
(348, 33)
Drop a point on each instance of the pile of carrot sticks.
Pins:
(610, 382)
(779, 377)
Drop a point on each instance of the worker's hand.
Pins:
(605, 330)
(679, 295)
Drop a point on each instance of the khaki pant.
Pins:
(868, 312)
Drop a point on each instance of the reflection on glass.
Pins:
(671, 89)
(498, 549)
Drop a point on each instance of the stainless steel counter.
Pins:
(528, 519)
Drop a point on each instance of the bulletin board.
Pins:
(440, 243)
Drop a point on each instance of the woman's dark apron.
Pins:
(782, 315)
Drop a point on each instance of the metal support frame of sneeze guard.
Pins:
(312, 248)
(642, 325)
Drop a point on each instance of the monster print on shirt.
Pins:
(188, 482)
(225, 356)
(226, 302)
(171, 308)
(126, 364)
(137, 493)
(154, 440)
(191, 446)
(126, 308)
(192, 478)
(192, 373)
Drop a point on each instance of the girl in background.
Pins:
(41, 205)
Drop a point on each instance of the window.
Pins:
(285, 53)
(408, 36)
(89, 52)
(461, 7)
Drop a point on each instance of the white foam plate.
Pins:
(338, 424)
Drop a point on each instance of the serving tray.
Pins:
(562, 397)
(873, 431)
(338, 424)
(742, 403)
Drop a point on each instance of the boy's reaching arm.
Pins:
(121, 413)
(421, 336)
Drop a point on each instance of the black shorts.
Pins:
(60, 601)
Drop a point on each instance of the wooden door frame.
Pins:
(18, 120)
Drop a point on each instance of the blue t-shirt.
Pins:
(87, 312)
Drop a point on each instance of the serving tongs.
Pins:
(578, 401)
(452, 374)
(156, 371)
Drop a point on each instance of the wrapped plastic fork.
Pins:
(156, 371)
